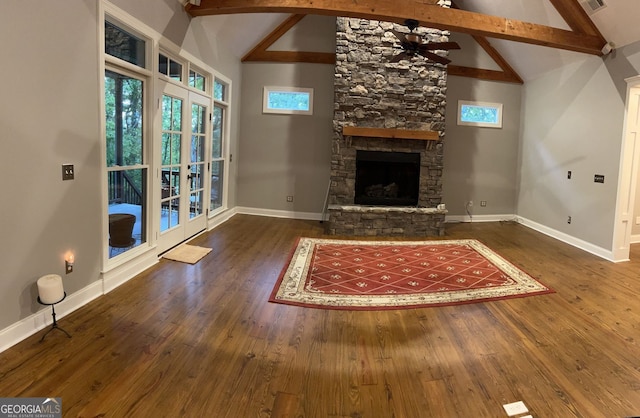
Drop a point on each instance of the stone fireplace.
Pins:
(388, 127)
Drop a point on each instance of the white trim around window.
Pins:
(482, 114)
(304, 105)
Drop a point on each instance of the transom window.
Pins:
(219, 90)
(121, 44)
(197, 80)
(169, 67)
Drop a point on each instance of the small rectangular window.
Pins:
(121, 44)
(288, 100)
(483, 114)
(169, 67)
(196, 80)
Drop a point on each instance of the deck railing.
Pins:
(122, 189)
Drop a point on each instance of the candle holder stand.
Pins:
(53, 313)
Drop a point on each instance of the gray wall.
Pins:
(285, 155)
(573, 120)
(288, 155)
(50, 115)
(481, 163)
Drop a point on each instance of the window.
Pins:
(219, 91)
(218, 144)
(288, 100)
(169, 67)
(197, 80)
(125, 140)
(483, 114)
(121, 44)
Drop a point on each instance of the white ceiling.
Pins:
(619, 23)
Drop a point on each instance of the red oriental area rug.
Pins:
(368, 275)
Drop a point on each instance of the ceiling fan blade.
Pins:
(431, 46)
(434, 57)
(399, 57)
(400, 36)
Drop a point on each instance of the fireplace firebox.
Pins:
(387, 178)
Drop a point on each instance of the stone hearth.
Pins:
(371, 92)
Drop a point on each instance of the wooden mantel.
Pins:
(390, 133)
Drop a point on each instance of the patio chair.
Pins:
(121, 230)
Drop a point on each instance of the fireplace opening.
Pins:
(387, 178)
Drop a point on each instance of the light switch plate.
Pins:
(67, 172)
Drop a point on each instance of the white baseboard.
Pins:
(221, 218)
(635, 239)
(561, 236)
(109, 280)
(480, 218)
(125, 272)
(311, 216)
(28, 326)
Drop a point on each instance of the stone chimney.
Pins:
(372, 92)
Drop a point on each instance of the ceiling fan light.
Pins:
(414, 38)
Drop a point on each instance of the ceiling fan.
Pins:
(413, 45)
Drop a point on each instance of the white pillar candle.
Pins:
(50, 288)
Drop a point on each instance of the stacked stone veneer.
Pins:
(372, 92)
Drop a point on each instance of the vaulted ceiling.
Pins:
(512, 33)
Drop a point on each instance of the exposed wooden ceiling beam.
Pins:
(481, 74)
(261, 53)
(428, 15)
(508, 74)
(575, 16)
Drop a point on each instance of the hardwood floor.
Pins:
(201, 340)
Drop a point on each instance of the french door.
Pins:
(182, 169)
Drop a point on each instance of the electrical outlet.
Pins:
(289, 198)
(483, 203)
(569, 220)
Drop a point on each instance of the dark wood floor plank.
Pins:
(192, 340)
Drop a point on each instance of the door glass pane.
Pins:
(170, 160)
(196, 166)
(197, 148)
(198, 114)
(123, 108)
(197, 182)
(217, 171)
